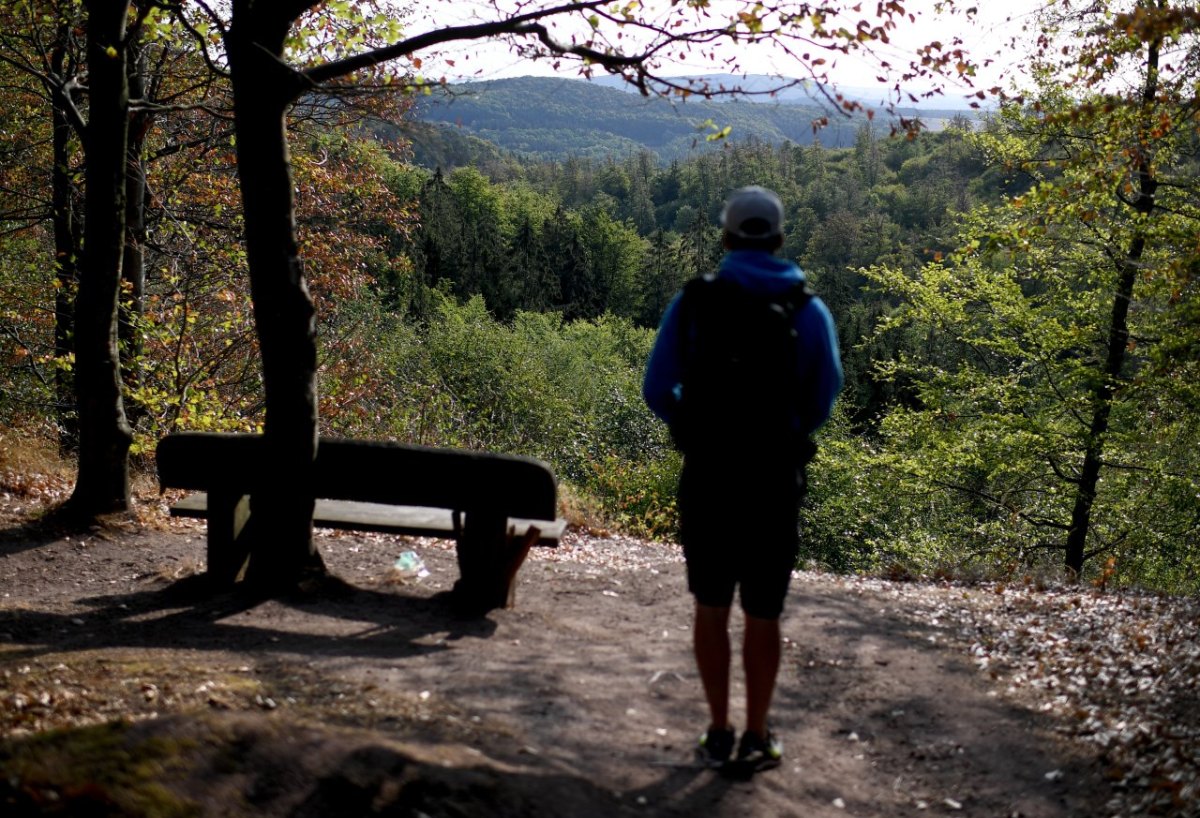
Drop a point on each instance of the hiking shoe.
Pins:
(716, 746)
(757, 753)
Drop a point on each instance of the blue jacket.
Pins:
(758, 272)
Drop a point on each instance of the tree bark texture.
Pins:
(282, 549)
(104, 433)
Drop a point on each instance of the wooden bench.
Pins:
(496, 507)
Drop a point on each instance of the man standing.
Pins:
(744, 369)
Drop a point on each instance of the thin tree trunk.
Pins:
(281, 549)
(66, 263)
(1102, 399)
(133, 268)
(104, 434)
(133, 265)
(1118, 337)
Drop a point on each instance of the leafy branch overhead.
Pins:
(641, 42)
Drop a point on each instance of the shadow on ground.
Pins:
(374, 699)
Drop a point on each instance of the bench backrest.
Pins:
(368, 471)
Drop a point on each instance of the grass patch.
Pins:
(93, 771)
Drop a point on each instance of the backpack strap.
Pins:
(797, 297)
(696, 293)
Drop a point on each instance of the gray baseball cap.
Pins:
(753, 213)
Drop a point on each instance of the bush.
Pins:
(566, 392)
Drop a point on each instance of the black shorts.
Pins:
(738, 527)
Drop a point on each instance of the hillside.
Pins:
(766, 88)
(549, 118)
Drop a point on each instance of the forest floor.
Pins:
(119, 695)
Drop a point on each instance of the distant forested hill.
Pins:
(551, 118)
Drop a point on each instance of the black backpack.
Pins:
(740, 388)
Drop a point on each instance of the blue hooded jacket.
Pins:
(760, 273)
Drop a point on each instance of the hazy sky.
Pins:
(986, 38)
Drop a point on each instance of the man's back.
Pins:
(767, 277)
(740, 391)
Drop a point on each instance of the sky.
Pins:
(987, 38)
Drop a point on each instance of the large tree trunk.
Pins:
(1118, 333)
(281, 548)
(104, 434)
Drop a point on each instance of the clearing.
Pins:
(121, 696)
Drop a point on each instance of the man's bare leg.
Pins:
(711, 643)
(760, 657)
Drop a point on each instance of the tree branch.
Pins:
(201, 44)
(64, 94)
(520, 24)
(983, 495)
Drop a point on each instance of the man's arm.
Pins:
(660, 387)
(820, 345)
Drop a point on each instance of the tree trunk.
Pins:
(1118, 333)
(1102, 399)
(104, 434)
(281, 549)
(133, 265)
(64, 203)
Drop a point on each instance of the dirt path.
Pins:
(581, 701)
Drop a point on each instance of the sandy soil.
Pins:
(580, 701)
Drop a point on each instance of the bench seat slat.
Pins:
(386, 519)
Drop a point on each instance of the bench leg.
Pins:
(483, 577)
(516, 550)
(227, 549)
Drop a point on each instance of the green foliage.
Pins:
(638, 497)
(847, 522)
(1004, 394)
(566, 392)
(509, 305)
(1040, 399)
(998, 426)
(585, 237)
(27, 362)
